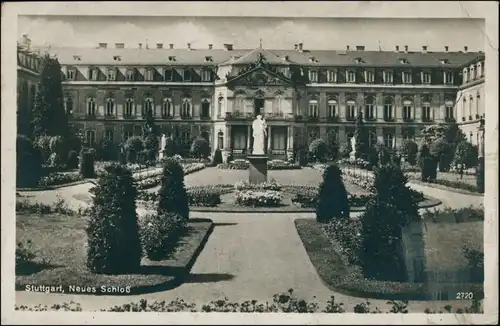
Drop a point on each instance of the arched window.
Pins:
(478, 108)
(90, 137)
(388, 104)
(130, 75)
(148, 106)
(205, 108)
(351, 109)
(449, 109)
(407, 110)
(239, 104)
(277, 105)
(471, 101)
(129, 107)
(219, 106)
(426, 111)
(472, 73)
(313, 109)
(370, 108)
(69, 106)
(220, 140)
(186, 108)
(166, 108)
(465, 76)
(110, 106)
(91, 107)
(332, 108)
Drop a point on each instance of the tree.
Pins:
(28, 162)
(49, 116)
(391, 207)
(172, 193)
(333, 199)
(200, 148)
(318, 150)
(427, 163)
(332, 145)
(151, 134)
(442, 140)
(170, 147)
(410, 149)
(465, 156)
(361, 136)
(112, 233)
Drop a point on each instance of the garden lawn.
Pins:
(59, 242)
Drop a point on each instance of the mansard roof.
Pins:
(320, 58)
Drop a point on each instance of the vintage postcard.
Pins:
(250, 162)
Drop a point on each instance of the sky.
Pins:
(246, 32)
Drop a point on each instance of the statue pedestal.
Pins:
(160, 154)
(352, 155)
(258, 168)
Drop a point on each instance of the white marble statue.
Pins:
(259, 128)
(353, 144)
(163, 142)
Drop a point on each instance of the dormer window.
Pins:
(70, 74)
(168, 74)
(406, 77)
(388, 77)
(111, 75)
(312, 59)
(93, 74)
(205, 75)
(117, 58)
(369, 76)
(171, 58)
(331, 76)
(208, 59)
(149, 75)
(130, 75)
(351, 76)
(77, 58)
(448, 77)
(426, 77)
(444, 61)
(313, 76)
(187, 74)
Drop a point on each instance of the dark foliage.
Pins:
(173, 196)
(200, 148)
(410, 150)
(428, 165)
(170, 147)
(318, 150)
(112, 231)
(361, 136)
(332, 196)
(390, 209)
(28, 163)
(217, 157)
(72, 159)
(160, 234)
(480, 174)
(87, 164)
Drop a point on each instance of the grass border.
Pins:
(45, 188)
(181, 270)
(339, 277)
(441, 187)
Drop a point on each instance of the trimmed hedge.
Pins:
(160, 234)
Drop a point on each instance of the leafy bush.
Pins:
(345, 150)
(463, 214)
(28, 163)
(59, 207)
(304, 196)
(390, 209)
(427, 164)
(475, 263)
(456, 184)
(72, 162)
(55, 179)
(347, 234)
(204, 196)
(112, 232)
(245, 185)
(160, 234)
(466, 155)
(262, 198)
(135, 143)
(173, 196)
(442, 151)
(170, 148)
(108, 150)
(200, 148)
(301, 157)
(282, 165)
(410, 149)
(318, 150)
(332, 196)
(383, 154)
(42, 143)
(217, 158)
(151, 144)
(87, 164)
(24, 256)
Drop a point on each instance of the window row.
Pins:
(473, 72)
(89, 135)
(130, 107)
(368, 76)
(389, 138)
(467, 107)
(150, 74)
(369, 110)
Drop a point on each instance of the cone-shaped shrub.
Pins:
(72, 159)
(428, 165)
(217, 157)
(332, 196)
(112, 231)
(172, 193)
(87, 164)
(391, 207)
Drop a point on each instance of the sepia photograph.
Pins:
(241, 157)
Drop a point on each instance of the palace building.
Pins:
(302, 93)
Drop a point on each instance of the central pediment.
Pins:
(259, 76)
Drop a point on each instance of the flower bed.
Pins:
(245, 185)
(201, 196)
(266, 198)
(240, 164)
(359, 163)
(152, 180)
(306, 196)
(55, 179)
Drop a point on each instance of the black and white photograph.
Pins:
(324, 161)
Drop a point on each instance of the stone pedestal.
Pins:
(258, 168)
(160, 154)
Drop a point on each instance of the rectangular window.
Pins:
(370, 76)
(313, 110)
(426, 77)
(332, 109)
(149, 75)
(168, 74)
(110, 104)
(331, 76)
(187, 74)
(388, 111)
(389, 140)
(92, 74)
(111, 74)
(407, 112)
(313, 76)
(129, 107)
(406, 77)
(91, 107)
(388, 77)
(70, 74)
(449, 112)
(279, 140)
(426, 112)
(448, 77)
(351, 77)
(128, 134)
(166, 109)
(350, 111)
(205, 75)
(369, 111)
(109, 135)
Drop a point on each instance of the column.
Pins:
(322, 106)
(227, 142)
(289, 143)
(380, 134)
(249, 137)
(379, 104)
(342, 106)
(342, 138)
(398, 136)
(269, 140)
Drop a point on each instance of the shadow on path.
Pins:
(224, 224)
(208, 278)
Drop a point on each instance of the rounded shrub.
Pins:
(217, 157)
(410, 149)
(170, 148)
(72, 159)
(108, 150)
(200, 148)
(427, 163)
(391, 207)
(318, 150)
(302, 156)
(112, 232)
(87, 164)
(333, 199)
(131, 155)
(160, 234)
(172, 193)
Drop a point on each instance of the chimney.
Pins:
(228, 47)
(446, 48)
(295, 46)
(25, 39)
(397, 48)
(210, 46)
(348, 48)
(140, 45)
(360, 47)
(103, 45)
(28, 43)
(406, 48)
(424, 48)
(159, 45)
(466, 48)
(119, 45)
(301, 46)
(171, 46)
(189, 46)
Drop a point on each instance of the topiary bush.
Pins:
(217, 157)
(170, 148)
(72, 162)
(28, 163)
(112, 232)
(200, 148)
(160, 234)
(383, 154)
(409, 149)
(87, 164)
(428, 165)
(172, 193)
(333, 199)
(302, 156)
(318, 150)
(391, 207)
(108, 150)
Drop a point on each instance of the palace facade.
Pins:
(303, 94)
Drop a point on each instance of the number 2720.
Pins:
(465, 295)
